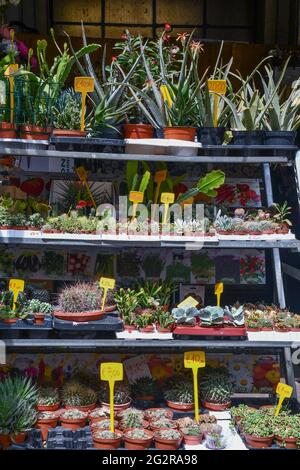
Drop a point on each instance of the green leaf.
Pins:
(212, 180)
(131, 172)
(145, 181)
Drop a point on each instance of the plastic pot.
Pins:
(180, 406)
(31, 132)
(8, 130)
(39, 318)
(44, 425)
(180, 133)
(73, 423)
(165, 444)
(54, 407)
(138, 444)
(84, 409)
(138, 131)
(68, 133)
(258, 442)
(248, 137)
(287, 442)
(279, 138)
(193, 440)
(211, 135)
(19, 438)
(108, 444)
(4, 441)
(215, 406)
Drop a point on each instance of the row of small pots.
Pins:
(38, 317)
(274, 328)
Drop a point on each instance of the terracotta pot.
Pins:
(155, 428)
(287, 442)
(39, 318)
(254, 330)
(4, 441)
(18, 227)
(295, 330)
(68, 133)
(138, 444)
(19, 438)
(138, 131)
(282, 330)
(10, 321)
(112, 308)
(258, 442)
(80, 316)
(168, 413)
(145, 397)
(181, 406)
(96, 420)
(193, 440)
(129, 328)
(180, 133)
(147, 329)
(4, 227)
(164, 444)
(108, 444)
(54, 407)
(44, 425)
(30, 132)
(266, 328)
(85, 409)
(215, 406)
(117, 408)
(73, 423)
(8, 130)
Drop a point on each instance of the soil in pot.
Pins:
(19, 438)
(4, 441)
(274, 138)
(138, 131)
(167, 439)
(8, 130)
(215, 406)
(247, 137)
(180, 406)
(192, 440)
(211, 135)
(287, 442)
(30, 132)
(138, 443)
(258, 442)
(180, 133)
(107, 440)
(68, 133)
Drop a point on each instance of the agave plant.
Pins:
(67, 110)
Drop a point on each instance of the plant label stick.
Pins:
(219, 288)
(83, 176)
(284, 391)
(160, 177)
(194, 360)
(136, 197)
(188, 302)
(111, 372)
(84, 85)
(16, 286)
(11, 69)
(167, 199)
(106, 284)
(218, 87)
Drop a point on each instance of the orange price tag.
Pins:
(82, 173)
(217, 86)
(84, 84)
(136, 197)
(160, 176)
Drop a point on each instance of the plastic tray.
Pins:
(62, 438)
(211, 333)
(110, 322)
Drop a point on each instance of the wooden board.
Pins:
(123, 11)
(179, 11)
(77, 10)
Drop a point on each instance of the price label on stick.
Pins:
(106, 284)
(167, 199)
(84, 85)
(11, 69)
(194, 360)
(111, 372)
(284, 391)
(218, 87)
(82, 173)
(160, 176)
(219, 288)
(188, 302)
(16, 286)
(136, 197)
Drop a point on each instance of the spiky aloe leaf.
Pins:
(145, 181)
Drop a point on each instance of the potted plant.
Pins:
(39, 310)
(8, 130)
(138, 439)
(153, 414)
(97, 415)
(283, 322)
(73, 419)
(144, 322)
(80, 302)
(10, 311)
(185, 315)
(295, 323)
(163, 423)
(287, 431)
(45, 421)
(78, 396)
(48, 399)
(67, 114)
(144, 389)
(105, 439)
(216, 389)
(167, 439)
(258, 430)
(127, 302)
(215, 441)
(132, 419)
(164, 321)
(180, 394)
(265, 324)
(102, 424)
(147, 298)
(280, 216)
(192, 436)
(122, 399)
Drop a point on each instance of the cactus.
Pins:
(75, 394)
(39, 294)
(164, 423)
(185, 316)
(168, 434)
(121, 396)
(73, 414)
(46, 415)
(106, 435)
(180, 391)
(216, 386)
(124, 413)
(224, 223)
(80, 297)
(35, 306)
(144, 386)
(48, 396)
(131, 420)
(137, 434)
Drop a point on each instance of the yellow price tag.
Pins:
(105, 284)
(188, 302)
(84, 85)
(284, 391)
(82, 173)
(167, 198)
(16, 286)
(111, 372)
(219, 288)
(217, 87)
(194, 360)
(11, 69)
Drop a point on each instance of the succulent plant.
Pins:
(224, 223)
(98, 413)
(104, 424)
(164, 423)
(137, 434)
(48, 396)
(35, 220)
(121, 394)
(180, 391)
(143, 320)
(35, 306)
(257, 424)
(73, 414)
(211, 316)
(181, 226)
(106, 435)
(76, 394)
(124, 413)
(216, 386)
(168, 434)
(127, 302)
(192, 430)
(39, 294)
(43, 415)
(156, 413)
(235, 316)
(210, 427)
(131, 420)
(164, 319)
(144, 386)
(185, 316)
(80, 297)
(67, 110)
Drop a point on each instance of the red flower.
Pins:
(168, 27)
(167, 37)
(81, 204)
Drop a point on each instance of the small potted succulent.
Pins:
(216, 389)
(100, 425)
(67, 114)
(215, 441)
(258, 430)
(163, 423)
(48, 399)
(122, 399)
(252, 322)
(144, 322)
(265, 324)
(185, 316)
(147, 300)
(238, 413)
(164, 321)
(153, 414)
(132, 419)
(192, 436)
(138, 439)
(127, 302)
(283, 323)
(45, 421)
(8, 314)
(144, 389)
(287, 431)
(295, 323)
(78, 396)
(128, 411)
(97, 415)
(167, 439)
(105, 439)
(180, 394)
(73, 419)
(80, 302)
(39, 310)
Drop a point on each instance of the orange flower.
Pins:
(197, 46)
(182, 37)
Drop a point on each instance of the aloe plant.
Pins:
(206, 185)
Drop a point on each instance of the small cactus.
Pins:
(81, 297)
(75, 394)
(48, 396)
